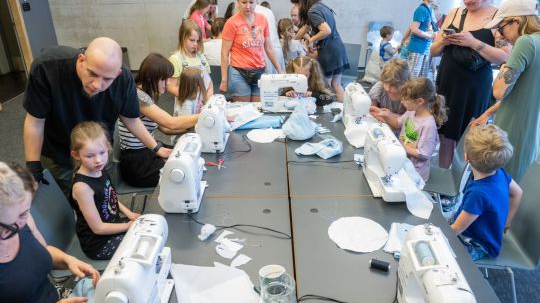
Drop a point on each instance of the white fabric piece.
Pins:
(337, 118)
(356, 136)
(206, 231)
(321, 130)
(357, 234)
(224, 284)
(223, 235)
(240, 260)
(325, 149)
(398, 232)
(299, 126)
(418, 203)
(267, 135)
(242, 114)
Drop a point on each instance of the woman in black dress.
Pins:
(331, 51)
(465, 74)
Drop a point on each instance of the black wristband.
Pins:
(34, 166)
(158, 146)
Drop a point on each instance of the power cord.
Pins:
(320, 298)
(236, 226)
(244, 139)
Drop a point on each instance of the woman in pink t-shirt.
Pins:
(245, 39)
(197, 13)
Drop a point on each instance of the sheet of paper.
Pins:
(221, 283)
(223, 251)
(240, 260)
(357, 234)
(223, 235)
(267, 135)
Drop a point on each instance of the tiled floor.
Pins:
(11, 85)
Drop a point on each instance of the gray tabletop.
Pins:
(260, 172)
(322, 268)
(262, 246)
(316, 179)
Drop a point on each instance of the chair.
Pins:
(215, 75)
(520, 247)
(55, 220)
(121, 187)
(353, 54)
(447, 181)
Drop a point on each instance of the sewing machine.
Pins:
(137, 273)
(356, 104)
(270, 85)
(180, 185)
(384, 161)
(428, 271)
(212, 125)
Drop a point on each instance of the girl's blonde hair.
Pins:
(88, 130)
(198, 5)
(284, 26)
(315, 81)
(395, 72)
(191, 83)
(423, 88)
(529, 24)
(187, 27)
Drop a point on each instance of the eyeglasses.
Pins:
(12, 230)
(500, 29)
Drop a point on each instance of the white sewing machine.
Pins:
(137, 273)
(212, 125)
(384, 161)
(356, 104)
(180, 185)
(270, 85)
(428, 271)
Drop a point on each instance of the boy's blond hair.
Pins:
(395, 72)
(487, 148)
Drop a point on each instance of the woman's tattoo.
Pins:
(510, 77)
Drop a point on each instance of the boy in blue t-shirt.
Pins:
(491, 197)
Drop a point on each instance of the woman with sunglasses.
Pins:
(25, 258)
(465, 74)
(516, 86)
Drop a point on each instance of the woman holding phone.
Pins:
(465, 75)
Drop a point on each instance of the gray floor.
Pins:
(11, 149)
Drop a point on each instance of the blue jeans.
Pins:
(474, 248)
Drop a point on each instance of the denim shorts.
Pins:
(474, 248)
(238, 86)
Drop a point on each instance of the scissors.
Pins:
(219, 163)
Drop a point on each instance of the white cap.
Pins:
(511, 8)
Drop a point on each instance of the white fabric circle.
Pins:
(357, 234)
(264, 135)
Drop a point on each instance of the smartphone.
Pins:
(449, 31)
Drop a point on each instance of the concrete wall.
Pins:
(145, 26)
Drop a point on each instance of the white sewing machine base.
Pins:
(390, 192)
(167, 291)
(212, 148)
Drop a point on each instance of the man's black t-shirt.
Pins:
(54, 92)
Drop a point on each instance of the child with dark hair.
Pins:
(386, 50)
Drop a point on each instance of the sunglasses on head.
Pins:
(12, 230)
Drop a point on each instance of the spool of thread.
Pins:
(378, 264)
(424, 254)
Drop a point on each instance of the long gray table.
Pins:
(260, 172)
(323, 268)
(262, 246)
(324, 192)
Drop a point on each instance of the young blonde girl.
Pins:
(425, 114)
(198, 13)
(191, 96)
(291, 48)
(316, 86)
(99, 226)
(189, 53)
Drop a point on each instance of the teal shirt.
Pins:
(519, 112)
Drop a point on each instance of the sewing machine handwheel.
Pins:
(177, 175)
(209, 121)
(116, 297)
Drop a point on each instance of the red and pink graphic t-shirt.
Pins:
(247, 50)
(198, 18)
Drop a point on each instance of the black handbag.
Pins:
(465, 56)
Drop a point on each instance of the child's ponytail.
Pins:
(438, 109)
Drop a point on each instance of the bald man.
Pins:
(66, 87)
